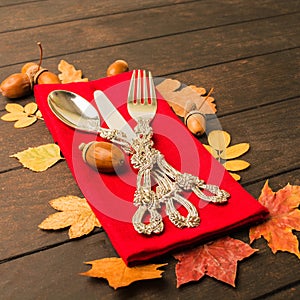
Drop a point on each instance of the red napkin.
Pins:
(111, 195)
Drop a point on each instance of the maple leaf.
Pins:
(24, 116)
(219, 148)
(216, 259)
(74, 212)
(178, 97)
(69, 73)
(118, 274)
(283, 219)
(39, 158)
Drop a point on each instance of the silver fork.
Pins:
(151, 164)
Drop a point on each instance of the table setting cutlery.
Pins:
(78, 113)
(176, 172)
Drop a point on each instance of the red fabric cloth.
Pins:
(111, 195)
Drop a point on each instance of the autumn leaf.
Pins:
(284, 218)
(74, 212)
(39, 158)
(217, 259)
(219, 141)
(118, 274)
(178, 97)
(24, 116)
(69, 73)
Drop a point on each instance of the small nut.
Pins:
(102, 156)
(16, 85)
(117, 67)
(195, 122)
(43, 76)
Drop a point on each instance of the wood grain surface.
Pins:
(248, 51)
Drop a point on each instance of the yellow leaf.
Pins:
(237, 177)
(219, 139)
(118, 274)
(69, 73)
(58, 220)
(25, 121)
(39, 158)
(236, 165)
(74, 212)
(30, 108)
(13, 116)
(14, 107)
(212, 151)
(235, 151)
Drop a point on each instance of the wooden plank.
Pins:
(259, 275)
(229, 42)
(245, 87)
(273, 133)
(248, 83)
(5, 3)
(58, 12)
(290, 292)
(24, 205)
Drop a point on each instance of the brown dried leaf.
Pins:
(236, 165)
(39, 158)
(219, 139)
(200, 90)
(25, 121)
(118, 274)
(284, 218)
(178, 97)
(216, 259)
(74, 212)
(69, 73)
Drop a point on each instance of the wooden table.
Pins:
(247, 50)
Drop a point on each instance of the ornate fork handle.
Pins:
(170, 183)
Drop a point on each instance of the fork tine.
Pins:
(131, 88)
(152, 89)
(138, 97)
(145, 87)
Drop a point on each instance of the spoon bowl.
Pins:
(74, 110)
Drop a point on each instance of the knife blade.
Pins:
(111, 115)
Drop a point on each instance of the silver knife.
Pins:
(111, 115)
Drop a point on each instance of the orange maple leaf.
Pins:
(284, 218)
(118, 274)
(217, 259)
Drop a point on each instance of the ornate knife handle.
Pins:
(170, 183)
(117, 137)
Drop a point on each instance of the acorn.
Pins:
(195, 122)
(194, 119)
(102, 156)
(43, 76)
(117, 67)
(16, 85)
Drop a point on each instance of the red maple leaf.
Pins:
(216, 259)
(284, 218)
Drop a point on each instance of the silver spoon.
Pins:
(80, 114)
(74, 110)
